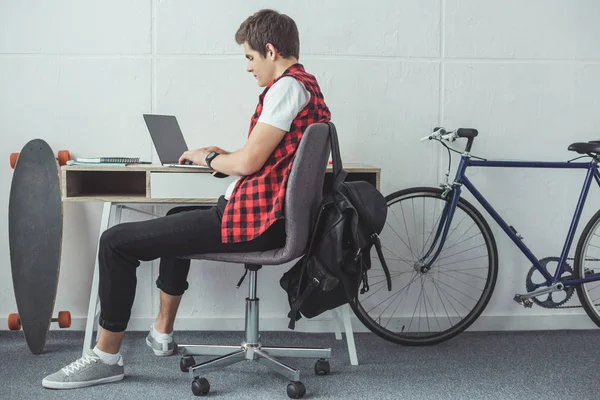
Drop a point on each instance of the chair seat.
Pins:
(269, 257)
(585, 147)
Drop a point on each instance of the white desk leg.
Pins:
(337, 323)
(92, 317)
(341, 319)
(349, 334)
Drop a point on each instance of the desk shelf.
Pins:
(101, 183)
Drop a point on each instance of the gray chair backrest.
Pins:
(305, 187)
(304, 192)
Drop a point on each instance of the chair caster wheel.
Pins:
(200, 387)
(186, 362)
(295, 390)
(322, 367)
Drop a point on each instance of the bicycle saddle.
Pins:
(585, 147)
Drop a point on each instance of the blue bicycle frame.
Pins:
(462, 180)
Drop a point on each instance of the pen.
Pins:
(139, 162)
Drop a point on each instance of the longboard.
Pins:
(35, 225)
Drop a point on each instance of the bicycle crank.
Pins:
(525, 299)
(535, 285)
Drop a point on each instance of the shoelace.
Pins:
(81, 363)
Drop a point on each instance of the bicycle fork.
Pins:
(442, 229)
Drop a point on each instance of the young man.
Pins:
(248, 217)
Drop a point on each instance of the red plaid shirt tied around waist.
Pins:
(257, 200)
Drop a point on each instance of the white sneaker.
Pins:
(161, 343)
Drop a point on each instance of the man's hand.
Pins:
(197, 157)
(216, 150)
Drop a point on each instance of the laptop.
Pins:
(168, 140)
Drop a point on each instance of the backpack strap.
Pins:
(294, 314)
(339, 174)
(383, 263)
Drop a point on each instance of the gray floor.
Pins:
(517, 365)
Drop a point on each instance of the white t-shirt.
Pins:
(282, 103)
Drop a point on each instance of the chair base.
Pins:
(229, 355)
(250, 350)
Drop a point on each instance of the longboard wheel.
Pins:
(63, 157)
(14, 322)
(64, 319)
(13, 159)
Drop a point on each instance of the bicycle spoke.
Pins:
(433, 311)
(446, 293)
(413, 316)
(406, 229)
(434, 228)
(398, 235)
(385, 279)
(456, 290)
(440, 296)
(423, 231)
(464, 273)
(456, 244)
(468, 284)
(424, 305)
(397, 292)
(462, 269)
(412, 279)
(455, 254)
(415, 224)
(456, 262)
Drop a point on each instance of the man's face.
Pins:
(263, 69)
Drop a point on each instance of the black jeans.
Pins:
(183, 231)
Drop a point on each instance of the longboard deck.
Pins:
(35, 215)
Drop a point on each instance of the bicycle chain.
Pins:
(570, 307)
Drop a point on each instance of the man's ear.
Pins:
(272, 52)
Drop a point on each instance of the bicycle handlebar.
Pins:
(440, 133)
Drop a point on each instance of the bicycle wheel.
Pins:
(426, 308)
(587, 260)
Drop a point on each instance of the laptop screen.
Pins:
(167, 137)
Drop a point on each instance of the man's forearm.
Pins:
(235, 163)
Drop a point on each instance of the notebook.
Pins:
(109, 160)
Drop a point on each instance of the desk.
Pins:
(158, 184)
(121, 187)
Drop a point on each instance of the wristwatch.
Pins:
(211, 156)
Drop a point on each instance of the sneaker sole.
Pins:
(160, 353)
(75, 385)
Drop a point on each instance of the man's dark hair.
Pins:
(269, 26)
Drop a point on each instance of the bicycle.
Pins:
(426, 257)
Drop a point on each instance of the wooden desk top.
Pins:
(349, 167)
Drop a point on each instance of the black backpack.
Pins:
(347, 226)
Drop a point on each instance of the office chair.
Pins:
(303, 195)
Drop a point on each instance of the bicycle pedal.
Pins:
(525, 302)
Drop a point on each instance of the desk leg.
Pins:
(345, 311)
(337, 323)
(92, 317)
(342, 318)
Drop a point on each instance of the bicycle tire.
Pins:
(586, 303)
(490, 283)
